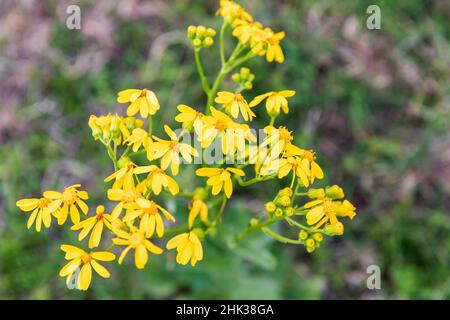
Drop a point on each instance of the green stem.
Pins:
(221, 211)
(301, 226)
(201, 73)
(279, 237)
(215, 88)
(112, 155)
(222, 43)
(252, 181)
(256, 228)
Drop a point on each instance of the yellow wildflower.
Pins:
(149, 213)
(142, 100)
(233, 103)
(190, 117)
(170, 151)
(196, 207)
(78, 257)
(277, 139)
(219, 125)
(69, 198)
(275, 102)
(188, 247)
(139, 137)
(251, 34)
(42, 210)
(135, 239)
(124, 177)
(233, 12)
(309, 164)
(123, 197)
(157, 179)
(220, 178)
(94, 224)
(326, 208)
(272, 41)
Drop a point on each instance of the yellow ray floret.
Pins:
(189, 248)
(220, 178)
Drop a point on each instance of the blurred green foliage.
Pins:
(374, 104)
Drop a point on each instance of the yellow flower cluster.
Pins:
(262, 41)
(146, 165)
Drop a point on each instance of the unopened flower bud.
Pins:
(248, 85)
(290, 211)
(335, 192)
(254, 222)
(197, 42)
(310, 242)
(208, 42)
(284, 201)
(201, 31)
(191, 31)
(303, 235)
(318, 237)
(236, 77)
(123, 162)
(199, 232)
(286, 192)
(200, 194)
(270, 207)
(316, 193)
(211, 32)
(335, 229)
(278, 212)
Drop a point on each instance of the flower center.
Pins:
(129, 196)
(285, 134)
(221, 125)
(86, 258)
(69, 196)
(153, 209)
(174, 145)
(136, 239)
(144, 93)
(43, 202)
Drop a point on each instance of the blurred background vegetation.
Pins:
(375, 104)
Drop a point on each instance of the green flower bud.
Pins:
(236, 77)
(200, 193)
(316, 193)
(318, 237)
(248, 85)
(286, 192)
(278, 212)
(211, 32)
(197, 42)
(336, 229)
(208, 42)
(290, 211)
(303, 235)
(310, 249)
(201, 31)
(270, 207)
(254, 222)
(191, 31)
(310, 242)
(334, 192)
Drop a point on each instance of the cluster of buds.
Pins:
(311, 241)
(201, 36)
(281, 205)
(113, 127)
(244, 78)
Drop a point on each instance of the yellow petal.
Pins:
(101, 270)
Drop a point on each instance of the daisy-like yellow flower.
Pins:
(220, 178)
(88, 261)
(196, 207)
(309, 164)
(142, 100)
(94, 225)
(233, 12)
(219, 125)
(272, 41)
(277, 139)
(234, 103)
(250, 34)
(70, 198)
(275, 102)
(149, 213)
(325, 208)
(189, 248)
(170, 151)
(190, 118)
(41, 211)
(135, 239)
(157, 180)
(124, 197)
(139, 137)
(124, 177)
